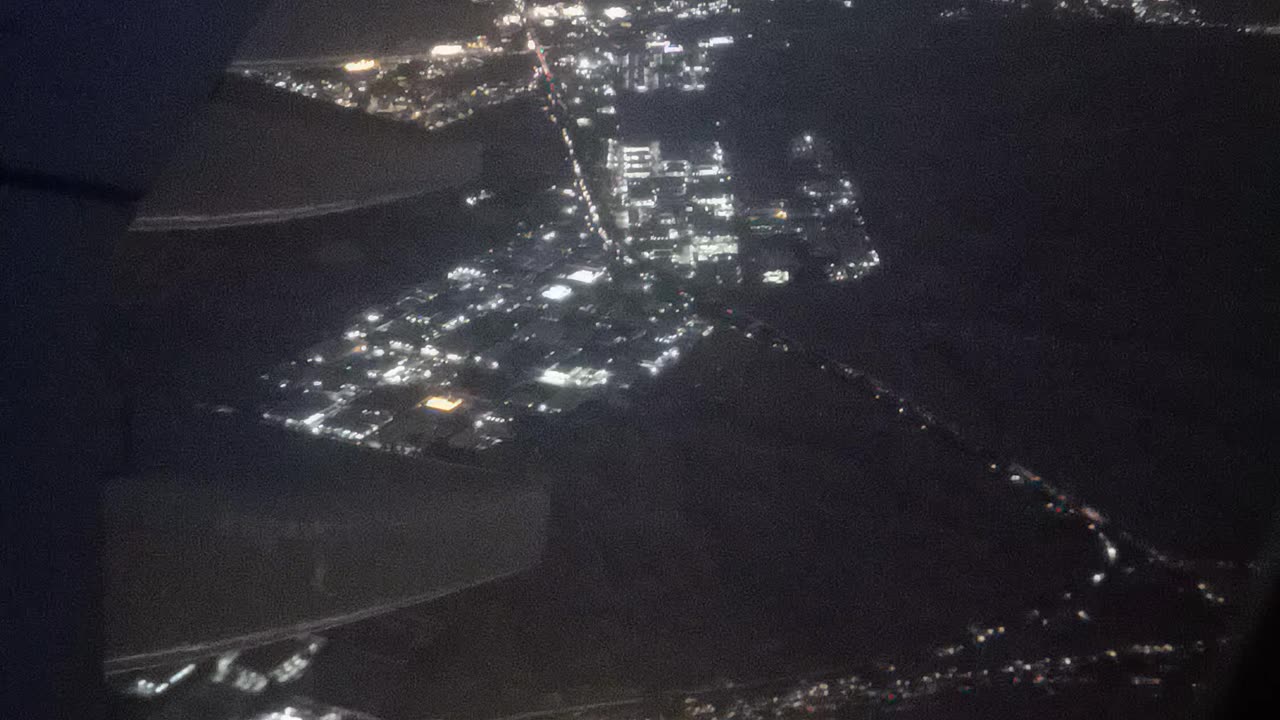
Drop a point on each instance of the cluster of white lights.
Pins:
(579, 377)
(464, 273)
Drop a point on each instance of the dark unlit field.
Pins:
(749, 516)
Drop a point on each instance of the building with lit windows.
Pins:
(676, 208)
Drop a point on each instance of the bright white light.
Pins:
(776, 277)
(447, 50)
(586, 276)
(574, 377)
(557, 292)
(373, 317)
(615, 13)
(464, 273)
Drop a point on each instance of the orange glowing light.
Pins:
(443, 404)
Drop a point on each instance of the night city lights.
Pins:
(682, 360)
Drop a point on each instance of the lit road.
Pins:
(1056, 501)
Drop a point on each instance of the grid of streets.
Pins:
(598, 301)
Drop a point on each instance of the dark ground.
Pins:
(1077, 226)
(748, 518)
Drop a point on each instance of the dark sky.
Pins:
(302, 28)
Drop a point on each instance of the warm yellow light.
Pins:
(356, 66)
(443, 404)
(780, 214)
